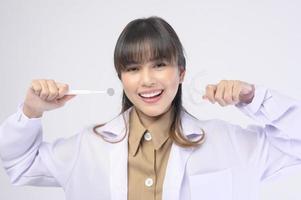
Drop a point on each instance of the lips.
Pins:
(151, 94)
(151, 98)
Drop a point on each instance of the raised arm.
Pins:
(277, 144)
(26, 158)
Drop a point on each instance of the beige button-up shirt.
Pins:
(149, 149)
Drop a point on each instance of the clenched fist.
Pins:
(44, 95)
(229, 92)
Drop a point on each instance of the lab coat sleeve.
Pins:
(30, 161)
(278, 140)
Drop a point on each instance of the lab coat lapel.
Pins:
(175, 172)
(115, 130)
(118, 163)
(178, 158)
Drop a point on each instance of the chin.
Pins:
(153, 111)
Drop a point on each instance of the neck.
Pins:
(148, 120)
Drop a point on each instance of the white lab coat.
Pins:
(229, 165)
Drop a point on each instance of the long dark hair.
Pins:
(151, 39)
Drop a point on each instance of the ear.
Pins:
(182, 73)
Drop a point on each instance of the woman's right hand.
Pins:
(44, 95)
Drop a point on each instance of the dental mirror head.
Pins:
(110, 91)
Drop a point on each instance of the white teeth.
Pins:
(150, 94)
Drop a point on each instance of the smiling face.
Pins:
(148, 57)
(151, 87)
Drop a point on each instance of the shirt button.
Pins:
(147, 136)
(149, 182)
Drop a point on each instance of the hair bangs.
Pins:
(144, 44)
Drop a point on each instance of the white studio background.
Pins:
(73, 42)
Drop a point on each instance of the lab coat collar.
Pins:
(192, 127)
(114, 130)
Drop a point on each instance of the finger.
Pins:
(53, 90)
(63, 89)
(246, 88)
(45, 91)
(219, 94)
(64, 99)
(228, 94)
(236, 91)
(247, 93)
(36, 87)
(210, 92)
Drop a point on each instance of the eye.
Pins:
(132, 69)
(160, 64)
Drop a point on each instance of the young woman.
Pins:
(154, 149)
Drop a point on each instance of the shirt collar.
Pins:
(159, 130)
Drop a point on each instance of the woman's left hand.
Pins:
(229, 92)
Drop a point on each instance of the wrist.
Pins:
(30, 113)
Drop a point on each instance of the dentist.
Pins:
(154, 149)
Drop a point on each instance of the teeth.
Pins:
(150, 94)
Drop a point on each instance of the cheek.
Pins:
(172, 85)
(173, 88)
(173, 79)
(129, 86)
(127, 83)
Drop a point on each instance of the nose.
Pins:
(147, 77)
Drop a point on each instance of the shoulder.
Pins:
(221, 132)
(210, 126)
(227, 143)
